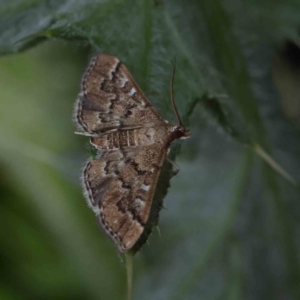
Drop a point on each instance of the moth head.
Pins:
(186, 133)
(179, 131)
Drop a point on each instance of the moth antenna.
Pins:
(172, 92)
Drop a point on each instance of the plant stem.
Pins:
(129, 268)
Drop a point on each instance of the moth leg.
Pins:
(158, 230)
(175, 168)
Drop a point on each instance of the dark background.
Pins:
(230, 229)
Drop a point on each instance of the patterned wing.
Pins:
(120, 186)
(110, 99)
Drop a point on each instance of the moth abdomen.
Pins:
(125, 138)
(114, 140)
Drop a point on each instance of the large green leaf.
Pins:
(230, 228)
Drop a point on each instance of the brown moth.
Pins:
(132, 141)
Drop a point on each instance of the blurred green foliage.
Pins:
(231, 228)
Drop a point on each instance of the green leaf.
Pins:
(230, 228)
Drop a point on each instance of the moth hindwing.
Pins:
(132, 141)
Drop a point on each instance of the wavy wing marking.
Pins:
(110, 99)
(119, 187)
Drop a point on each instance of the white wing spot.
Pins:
(145, 187)
(132, 92)
(123, 82)
(139, 202)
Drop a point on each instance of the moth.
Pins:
(132, 141)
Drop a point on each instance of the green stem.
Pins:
(129, 269)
